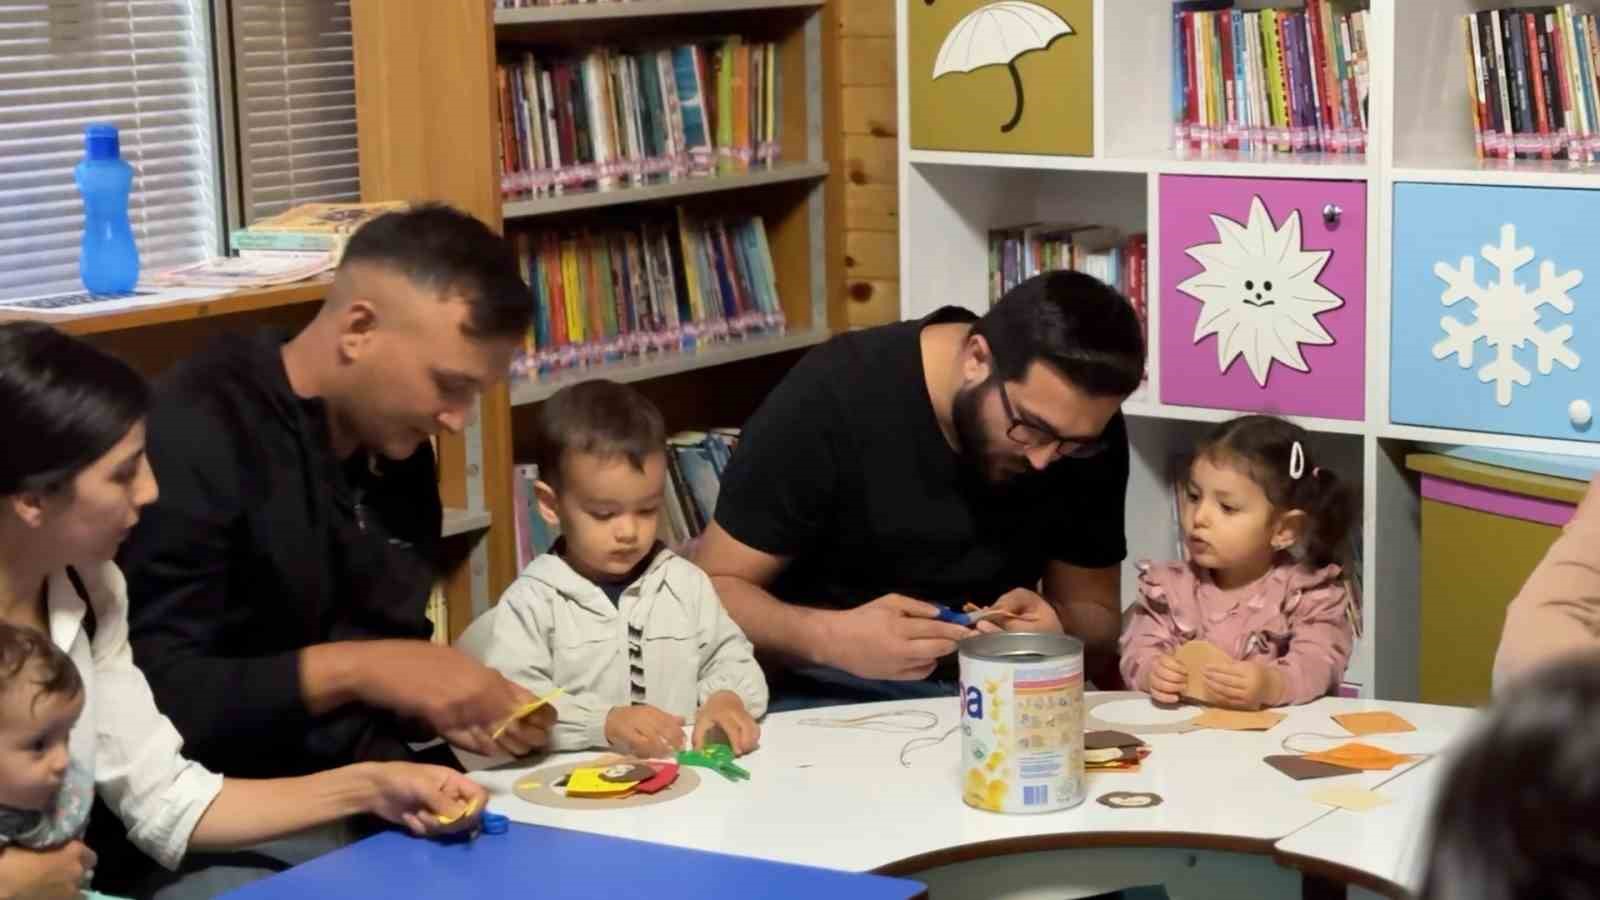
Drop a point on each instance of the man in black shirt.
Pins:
(932, 463)
(278, 587)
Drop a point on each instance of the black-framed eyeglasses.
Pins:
(1029, 435)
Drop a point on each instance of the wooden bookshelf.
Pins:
(465, 521)
(188, 311)
(594, 198)
(526, 391)
(427, 118)
(639, 9)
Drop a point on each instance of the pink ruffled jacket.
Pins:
(1293, 618)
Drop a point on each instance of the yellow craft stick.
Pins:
(523, 713)
(472, 806)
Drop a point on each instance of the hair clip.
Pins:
(1297, 461)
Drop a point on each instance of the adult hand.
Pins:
(1028, 612)
(448, 690)
(56, 874)
(644, 731)
(418, 796)
(893, 637)
(725, 710)
(520, 737)
(1166, 679)
(1242, 685)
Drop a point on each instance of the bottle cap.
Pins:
(100, 141)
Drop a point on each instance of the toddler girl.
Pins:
(1265, 529)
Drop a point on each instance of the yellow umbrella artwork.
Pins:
(996, 35)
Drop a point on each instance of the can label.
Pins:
(1022, 734)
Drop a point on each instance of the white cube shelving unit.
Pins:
(1420, 131)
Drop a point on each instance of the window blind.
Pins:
(294, 77)
(143, 65)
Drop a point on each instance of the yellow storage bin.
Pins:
(1484, 528)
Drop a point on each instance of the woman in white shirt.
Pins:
(73, 478)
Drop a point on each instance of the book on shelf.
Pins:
(1019, 253)
(656, 285)
(309, 228)
(1269, 80)
(1533, 80)
(695, 460)
(609, 117)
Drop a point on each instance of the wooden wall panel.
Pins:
(870, 160)
(866, 61)
(867, 18)
(426, 129)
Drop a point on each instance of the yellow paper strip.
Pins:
(523, 713)
(472, 807)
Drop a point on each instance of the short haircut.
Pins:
(598, 417)
(1072, 322)
(28, 652)
(63, 403)
(443, 249)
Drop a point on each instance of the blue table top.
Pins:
(532, 860)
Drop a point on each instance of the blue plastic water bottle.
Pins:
(109, 263)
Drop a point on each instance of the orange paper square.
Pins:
(1360, 756)
(1237, 720)
(1380, 722)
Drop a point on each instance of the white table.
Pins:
(1381, 849)
(840, 799)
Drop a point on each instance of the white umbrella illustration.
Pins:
(996, 35)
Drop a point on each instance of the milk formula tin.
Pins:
(1022, 722)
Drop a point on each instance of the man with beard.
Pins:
(930, 464)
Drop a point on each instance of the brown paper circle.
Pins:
(546, 794)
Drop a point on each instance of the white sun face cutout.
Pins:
(1260, 292)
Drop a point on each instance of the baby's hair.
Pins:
(1515, 816)
(28, 652)
(1264, 448)
(599, 417)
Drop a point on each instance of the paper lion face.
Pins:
(1260, 292)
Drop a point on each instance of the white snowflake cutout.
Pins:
(1260, 292)
(1506, 316)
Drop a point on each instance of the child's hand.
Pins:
(1167, 679)
(725, 710)
(1242, 685)
(644, 731)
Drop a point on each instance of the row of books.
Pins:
(612, 117)
(652, 286)
(1534, 83)
(1270, 80)
(1019, 253)
(695, 463)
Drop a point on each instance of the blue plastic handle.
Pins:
(954, 617)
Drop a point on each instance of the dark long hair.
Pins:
(1516, 816)
(63, 405)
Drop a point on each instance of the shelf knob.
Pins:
(1580, 413)
(1332, 213)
